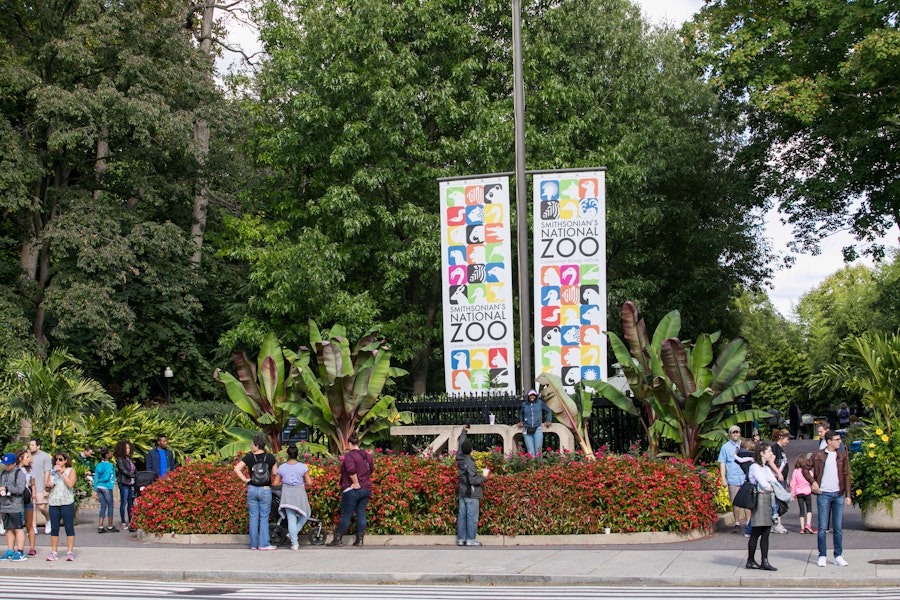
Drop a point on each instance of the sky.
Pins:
(787, 285)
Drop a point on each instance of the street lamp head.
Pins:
(168, 373)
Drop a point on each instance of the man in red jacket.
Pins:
(831, 472)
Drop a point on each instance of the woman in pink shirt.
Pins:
(801, 490)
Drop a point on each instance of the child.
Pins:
(12, 486)
(104, 481)
(801, 490)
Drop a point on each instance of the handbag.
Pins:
(746, 496)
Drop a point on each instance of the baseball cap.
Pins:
(532, 392)
(9, 458)
(734, 428)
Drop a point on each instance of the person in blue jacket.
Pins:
(104, 482)
(160, 460)
(530, 419)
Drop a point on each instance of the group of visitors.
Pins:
(33, 480)
(825, 474)
(261, 472)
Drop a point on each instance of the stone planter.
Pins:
(879, 517)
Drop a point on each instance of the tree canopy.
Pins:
(816, 81)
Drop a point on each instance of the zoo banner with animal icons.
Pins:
(477, 286)
(570, 275)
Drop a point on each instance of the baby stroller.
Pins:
(141, 480)
(278, 525)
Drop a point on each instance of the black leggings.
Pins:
(760, 534)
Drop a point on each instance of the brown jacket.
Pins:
(843, 468)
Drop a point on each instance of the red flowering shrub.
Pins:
(200, 497)
(419, 496)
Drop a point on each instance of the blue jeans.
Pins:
(534, 442)
(296, 521)
(354, 501)
(467, 521)
(126, 502)
(259, 501)
(106, 502)
(833, 502)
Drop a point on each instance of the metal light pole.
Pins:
(525, 374)
(168, 374)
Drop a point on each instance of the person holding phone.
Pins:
(470, 492)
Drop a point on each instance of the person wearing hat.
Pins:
(530, 419)
(12, 486)
(731, 473)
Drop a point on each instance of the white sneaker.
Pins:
(821, 562)
(295, 546)
(839, 561)
(47, 528)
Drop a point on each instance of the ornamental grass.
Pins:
(556, 494)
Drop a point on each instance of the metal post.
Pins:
(525, 375)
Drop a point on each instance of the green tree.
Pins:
(45, 392)
(817, 84)
(99, 104)
(362, 105)
(777, 354)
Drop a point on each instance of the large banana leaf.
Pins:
(237, 393)
(675, 365)
(730, 364)
(612, 393)
(271, 367)
(635, 332)
(564, 409)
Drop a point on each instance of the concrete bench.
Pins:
(446, 435)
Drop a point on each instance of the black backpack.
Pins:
(260, 473)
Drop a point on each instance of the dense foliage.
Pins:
(875, 468)
(817, 84)
(564, 494)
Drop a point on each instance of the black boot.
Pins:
(359, 539)
(751, 563)
(336, 541)
(765, 566)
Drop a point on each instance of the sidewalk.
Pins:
(716, 560)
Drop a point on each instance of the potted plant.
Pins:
(871, 367)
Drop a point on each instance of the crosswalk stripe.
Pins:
(38, 588)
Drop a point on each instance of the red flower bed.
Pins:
(419, 496)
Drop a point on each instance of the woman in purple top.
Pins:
(356, 489)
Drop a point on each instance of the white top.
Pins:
(830, 481)
(60, 493)
(762, 476)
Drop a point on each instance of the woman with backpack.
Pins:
(257, 469)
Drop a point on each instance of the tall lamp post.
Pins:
(168, 374)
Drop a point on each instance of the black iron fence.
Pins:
(607, 426)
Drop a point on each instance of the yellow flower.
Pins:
(872, 445)
(871, 454)
(859, 492)
(878, 432)
(59, 432)
(884, 438)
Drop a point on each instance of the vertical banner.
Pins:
(477, 285)
(570, 275)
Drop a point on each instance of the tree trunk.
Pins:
(201, 144)
(422, 358)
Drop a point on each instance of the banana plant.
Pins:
(684, 395)
(571, 412)
(340, 390)
(265, 391)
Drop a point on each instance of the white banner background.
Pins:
(477, 286)
(570, 275)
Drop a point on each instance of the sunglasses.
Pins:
(60, 459)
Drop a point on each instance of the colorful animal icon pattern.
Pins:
(569, 315)
(477, 261)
